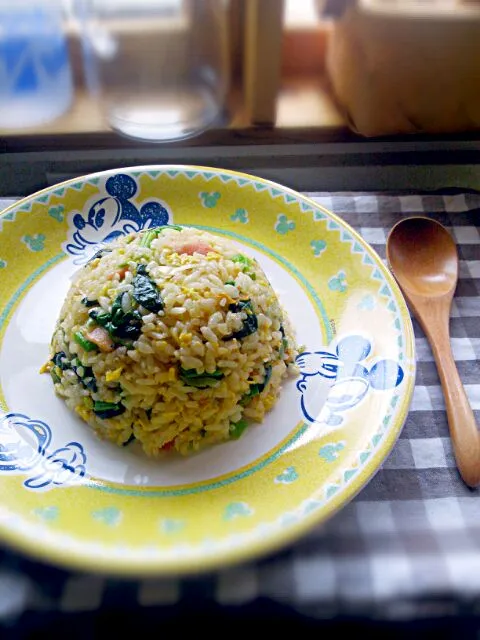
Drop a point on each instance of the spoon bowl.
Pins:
(423, 258)
(423, 255)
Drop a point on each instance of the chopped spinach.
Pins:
(251, 393)
(106, 410)
(268, 375)
(246, 262)
(200, 380)
(237, 428)
(151, 234)
(146, 292)
(60, 360)
(130, 326)
(242, 305)
(232, 282)
(127, 325)
(119, 324)
(83, 342)
(88, 380)
(250, 323)
(90, 383)
(89, 303)
(284, 338)
(147, 238)
(116, 311)
(192, 373)
(100, 317)
(257, 388)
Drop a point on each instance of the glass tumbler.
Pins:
(159, 67)
(35, 75)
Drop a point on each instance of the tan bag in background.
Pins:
(407, 67)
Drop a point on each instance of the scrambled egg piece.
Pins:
(47, 367)
(83, 412)
(113, 376)
(167, 376)
(184, 339)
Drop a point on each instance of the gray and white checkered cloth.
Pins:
(411, 538)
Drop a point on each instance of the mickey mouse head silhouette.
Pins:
(349, 373)
(115, 215)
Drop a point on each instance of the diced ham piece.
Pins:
(195, 247)
(101, 337)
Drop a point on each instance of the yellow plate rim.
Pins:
(282, 537)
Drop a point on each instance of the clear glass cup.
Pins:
(159, 67)
(35, 75)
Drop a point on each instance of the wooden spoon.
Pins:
(423, 258)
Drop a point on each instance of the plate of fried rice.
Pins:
(197, 366)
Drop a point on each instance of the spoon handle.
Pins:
(461, 420)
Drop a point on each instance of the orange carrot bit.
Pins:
(101, 337)
(121, 273)
(168, 445)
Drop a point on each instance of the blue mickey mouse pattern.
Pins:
(338, 282)
(112, 216)
(287, 476)
(240, 215)
(36, 242)
(283, 225)
(110, 516)
(24, 450)
(342, 376)
(318, 247)
(171, 526)
(367, 303)
(209, 200)
(47, 514)
(57, 213)
(330, 451)
(237, 510)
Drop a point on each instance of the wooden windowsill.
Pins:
(306, 103)
(305, 112)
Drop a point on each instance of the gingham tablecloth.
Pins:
(408, 545)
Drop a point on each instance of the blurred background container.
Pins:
(158, 67)
(35, 75)
(406, 66)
